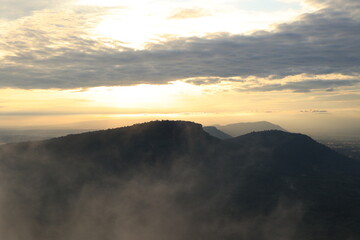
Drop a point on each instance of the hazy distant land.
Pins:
(348, 145)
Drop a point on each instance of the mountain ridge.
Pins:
(171, 171)
(213, 131)
(238, 129)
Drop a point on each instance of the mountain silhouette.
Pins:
(237, 129)
(172, 180)
(213, 131)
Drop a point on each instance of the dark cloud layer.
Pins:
(306, 86)
(324, 42)
(336, 3)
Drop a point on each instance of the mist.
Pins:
(172, 202)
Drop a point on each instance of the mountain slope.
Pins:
(213, 131)
(299, 169)
(172, 180)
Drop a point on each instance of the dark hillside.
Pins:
(296, 168)
(172, 180)
(213, 131)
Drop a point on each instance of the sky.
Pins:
(106, 63)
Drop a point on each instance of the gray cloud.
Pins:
(324, 42)
(305, 86)
(211, 80)
(13, 9)
(335, 3)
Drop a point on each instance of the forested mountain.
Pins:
(172, 180)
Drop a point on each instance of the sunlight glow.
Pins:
(140, 22)
(142, 96)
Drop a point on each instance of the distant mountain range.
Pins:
(238, 129)
(172, 180)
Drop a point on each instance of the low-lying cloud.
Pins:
(314, 111)
(149, 204)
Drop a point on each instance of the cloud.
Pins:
(324, 42)
(314, 111)
(5, 114)
(190, 13)
(342, 97)
(305, 86)
(13, 9)
(335, 3)
(173, 199)
(213, 80)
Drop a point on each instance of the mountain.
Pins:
(237, 129)
(172, 180)
(213, 131)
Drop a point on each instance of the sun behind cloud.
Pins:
(214, 61)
